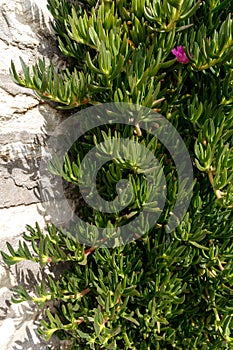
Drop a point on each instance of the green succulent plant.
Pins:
(159, 291)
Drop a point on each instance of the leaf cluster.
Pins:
(146, 294)
(121, 52)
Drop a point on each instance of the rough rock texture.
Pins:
(25, 123)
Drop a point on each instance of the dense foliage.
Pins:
(157, 292)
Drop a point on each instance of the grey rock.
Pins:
(25, 124)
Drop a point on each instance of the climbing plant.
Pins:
(160, 291)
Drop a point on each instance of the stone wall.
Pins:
(25, 122)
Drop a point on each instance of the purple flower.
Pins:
(180, 54)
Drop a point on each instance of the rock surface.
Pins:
(25, 123)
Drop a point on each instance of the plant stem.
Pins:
(216, 60)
